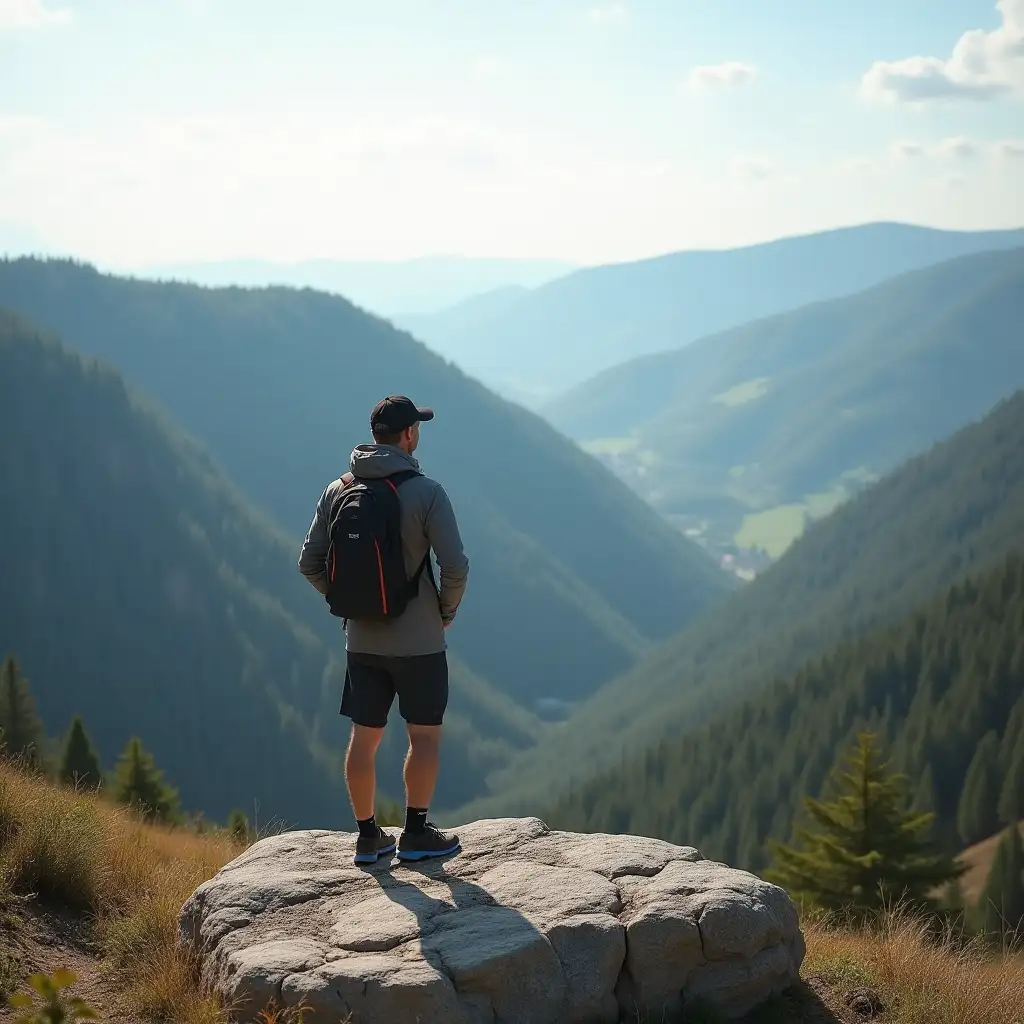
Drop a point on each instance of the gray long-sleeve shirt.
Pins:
(428, 523)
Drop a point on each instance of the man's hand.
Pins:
(447, 622)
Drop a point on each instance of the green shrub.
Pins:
(53, 1006)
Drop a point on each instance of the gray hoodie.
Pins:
(428, 522)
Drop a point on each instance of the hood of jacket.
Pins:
(373, 461)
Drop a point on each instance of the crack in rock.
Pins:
(526, 925)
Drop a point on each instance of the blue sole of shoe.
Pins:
(425, 854)
(372, 858)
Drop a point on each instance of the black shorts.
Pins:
(372, 681)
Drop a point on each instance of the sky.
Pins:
(135, 133)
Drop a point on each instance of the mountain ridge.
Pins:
(179, 609)
(302, 368)
(569, 329)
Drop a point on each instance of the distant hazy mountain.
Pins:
(392, 288)
(785, 416)
(559, 334)
(572, 576)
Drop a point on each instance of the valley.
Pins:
(511, 513)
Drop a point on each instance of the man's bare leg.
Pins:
(421, 765)
(360, 774)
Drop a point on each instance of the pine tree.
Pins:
(79, 765)
(868, 849)
(1001, 907)
(977, 817)
(1011, 798)
(139, 783)
(21, 731)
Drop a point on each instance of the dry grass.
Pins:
(131, 879)
(922, 980)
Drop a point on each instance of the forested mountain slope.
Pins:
(783, 413)
(944, 690)
(957, 509)
(139, 589)
(572, 576)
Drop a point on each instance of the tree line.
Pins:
(943, 689)
(135, 781)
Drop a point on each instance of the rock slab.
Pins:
(525, 925)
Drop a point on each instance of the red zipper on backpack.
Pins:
(380, 572)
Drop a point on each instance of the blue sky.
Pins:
(135, 133)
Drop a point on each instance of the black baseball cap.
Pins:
(396, 413)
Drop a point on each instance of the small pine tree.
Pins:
(139, 784)
(1000, 910)
(21, 731)
(868, 849)
(79, 765)
(238, 826)
(977, 816)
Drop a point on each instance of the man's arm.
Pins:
(313, 556)
(442, 531)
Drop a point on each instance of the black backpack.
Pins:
(365, 561)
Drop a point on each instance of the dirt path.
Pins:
(45, 940)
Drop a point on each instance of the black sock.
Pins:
(415, 819)
(368, 827)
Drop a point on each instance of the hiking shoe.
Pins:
(431, 842)
(369, 848)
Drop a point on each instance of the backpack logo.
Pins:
(353, 536)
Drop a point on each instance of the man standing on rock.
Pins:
(368, 552)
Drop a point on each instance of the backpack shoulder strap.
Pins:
(395, 480)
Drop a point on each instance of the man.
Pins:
(404, 655)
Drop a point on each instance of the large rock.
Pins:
(525, 925)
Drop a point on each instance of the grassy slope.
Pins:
(978, 861)
(780, 408)
(132, 879)
(278, 384)
(141, 590)
(564, 332)
(952, 511)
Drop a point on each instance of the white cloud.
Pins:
(981, 66)
(958, 148)
(754, 168)
(854, 167)
(27, 14)
(1010, 149)
(727, 75)
(608, 14)
(905, 150)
